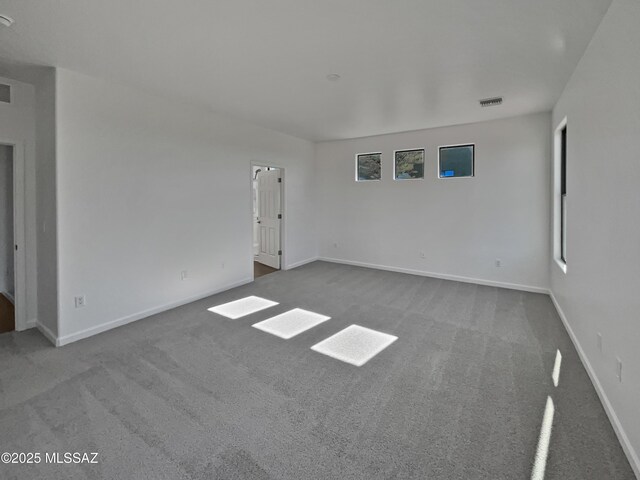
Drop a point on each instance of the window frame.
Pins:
(424, 162)
(357, 176)
(473, 160)
(560, 153)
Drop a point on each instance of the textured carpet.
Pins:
(188, 394)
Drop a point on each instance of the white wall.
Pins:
(6, 219)
(462, 225)
(599, 292)
(149, 187)
(46, 201)
(17, 124)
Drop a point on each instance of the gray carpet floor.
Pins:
(187, 394)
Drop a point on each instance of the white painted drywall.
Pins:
(404, 64)
(46, 201)
(17, 124)
(6, 219)
(462, 225)
(148, 187)
(599, 292)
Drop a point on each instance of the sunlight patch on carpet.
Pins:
(355, 344)
(291, 323)
(244, 306)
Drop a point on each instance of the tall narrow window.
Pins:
(563, 194)
(560, 195)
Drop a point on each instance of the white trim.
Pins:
(9, 297)
(561, 265)
(473, 161)
(19, 232)
(47, 333)
(89, 332)
(300, 263)
(632, 455)
(32, 323)
(444, 276)
(356, 172)
(555, 195)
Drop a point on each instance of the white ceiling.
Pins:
(405, 64)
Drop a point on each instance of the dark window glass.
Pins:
(368, 166)
(563, 194)
(456, 161)
(409, 164)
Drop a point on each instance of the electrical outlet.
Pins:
(80, 301)
(184, 274)
(498, 263)
(422, 255)
(599, 341)
(619, 369)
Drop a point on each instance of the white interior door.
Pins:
(269, 213)
(18, 241)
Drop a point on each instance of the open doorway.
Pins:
(7, 264)
(267, 184)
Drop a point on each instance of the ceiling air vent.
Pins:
(5, 93)
(491, 102)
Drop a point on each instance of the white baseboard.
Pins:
(632, 456)
(291, 266)
(47, 333)
(89, 332)
(443, 276)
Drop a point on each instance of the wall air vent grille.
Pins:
(491, 102)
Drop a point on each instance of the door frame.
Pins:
(255, 163)
(19, 234)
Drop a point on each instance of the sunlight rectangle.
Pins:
(242, 307)
(291, 323)
(355, 344)
(556, 369)
(540, 464)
